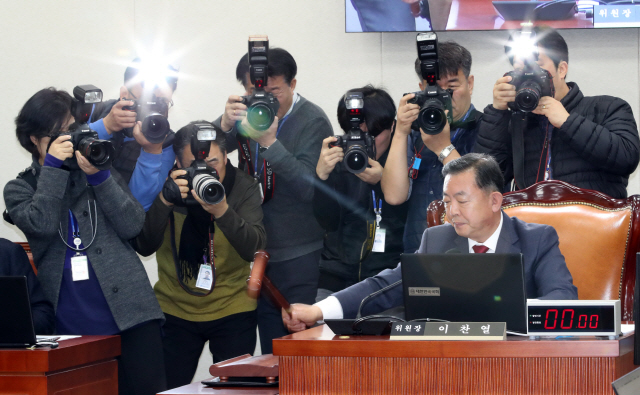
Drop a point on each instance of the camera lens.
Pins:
(155, 127)
(356, 159)
(208, 188)
(260, 116)
(98, 152)
(432, 118)
(528, 96)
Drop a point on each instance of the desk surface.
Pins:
(70, 353)
(198, 388)
(322, 342)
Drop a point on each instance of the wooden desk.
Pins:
(85, 365)
(480, 15)
(198, 388)
(314, 362)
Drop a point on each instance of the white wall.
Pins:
(70, 42)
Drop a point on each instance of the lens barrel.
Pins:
(155, 127)
(260, 116)
(356, 159)
(208, 188)
(98, 152)
(528, 95)
(432, 118)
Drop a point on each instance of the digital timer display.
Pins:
(579, 319)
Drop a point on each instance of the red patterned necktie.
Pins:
(480, 249)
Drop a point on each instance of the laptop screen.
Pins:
(465, 288)
(16, 329)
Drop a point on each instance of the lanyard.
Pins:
(264, 162)
(76, 233)
(377, 208)
(547, 170)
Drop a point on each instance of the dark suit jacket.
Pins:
(15, 262)
(546, 273)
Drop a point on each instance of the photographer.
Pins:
(423, 155)
(78, 221)
(214, 308)
(143, 164)
(590, 142)
(346, 204)
(283, 158)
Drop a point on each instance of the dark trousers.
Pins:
(297, 280)
(183, 341)
(141, 363)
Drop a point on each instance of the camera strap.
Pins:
(176, 260)
(266, 186)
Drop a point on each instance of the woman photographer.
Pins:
(78, 221)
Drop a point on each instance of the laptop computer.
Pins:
(16, 329)
(550, 10)
(465, 288)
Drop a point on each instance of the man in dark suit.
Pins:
(473, 204)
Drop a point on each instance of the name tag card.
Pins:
(417, 330)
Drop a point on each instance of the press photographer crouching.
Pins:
(78, 220)
(541, 127)
(204, 251)
(363, 232)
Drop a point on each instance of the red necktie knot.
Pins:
(480, 249)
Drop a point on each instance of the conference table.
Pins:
(316, 361)
(84, 365)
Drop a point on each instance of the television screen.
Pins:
(440, 15)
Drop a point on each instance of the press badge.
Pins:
(205, 277)
(378, 241)
(79, 268)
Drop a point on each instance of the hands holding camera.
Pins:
(504, 93)
(62, 148)
(330, 156)
(234, 111)
(119, 118)
(178, 183)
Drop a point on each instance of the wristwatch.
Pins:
(445, 152)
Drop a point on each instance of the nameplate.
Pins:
(417, 330)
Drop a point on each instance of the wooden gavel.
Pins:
(257, 279)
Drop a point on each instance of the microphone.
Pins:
(374, 294)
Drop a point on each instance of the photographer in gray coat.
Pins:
(78, 221)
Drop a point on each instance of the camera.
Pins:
(203, 179)
(532, 82)
(152, 112)
(262, 107)
(98, 152)
(357, 145)
(433, 101)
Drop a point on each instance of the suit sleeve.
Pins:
(611, 144)
(551, 275)
(350, 298)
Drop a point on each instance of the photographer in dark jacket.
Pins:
(590, 142)
(198, 307)
(345, 204)
(15, 262)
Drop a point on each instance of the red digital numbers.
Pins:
(548, 325)
(564, 318)
(567, 319)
